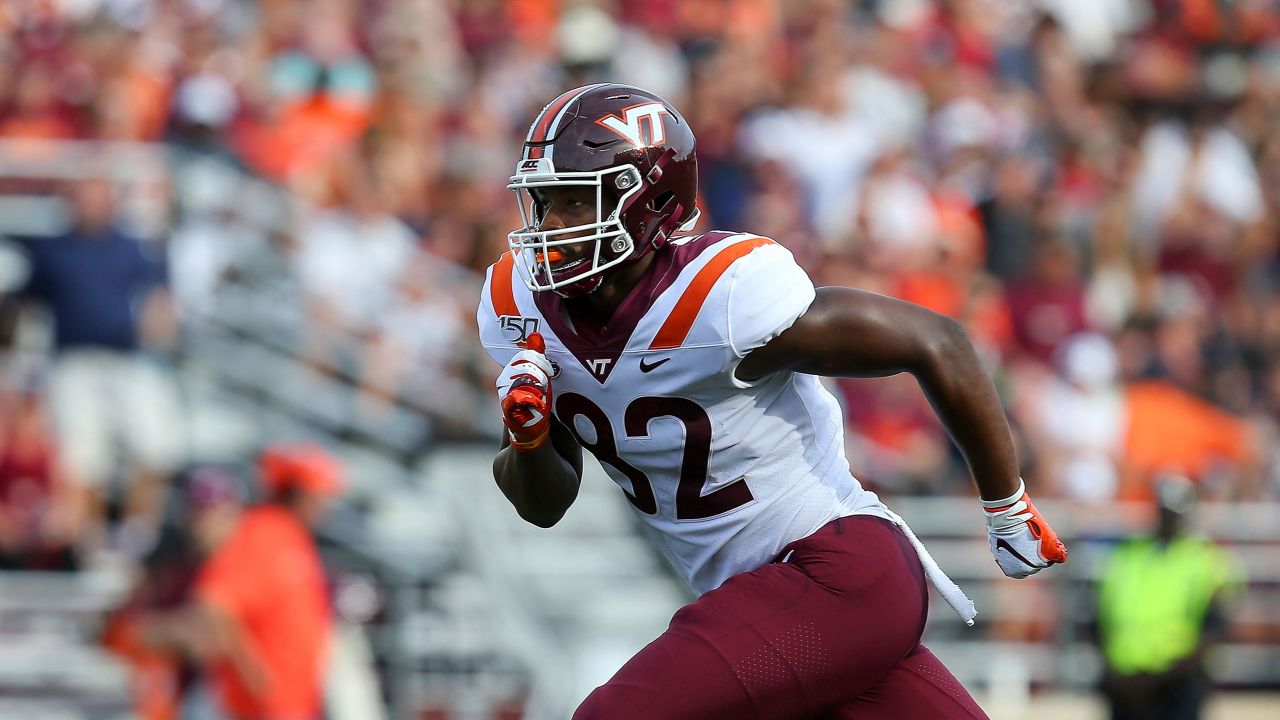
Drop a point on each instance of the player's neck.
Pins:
(604, 302)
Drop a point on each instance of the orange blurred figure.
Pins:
(265, 592)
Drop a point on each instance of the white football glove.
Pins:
(524, 391)
(1020, 537)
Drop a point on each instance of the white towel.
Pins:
(947, 587)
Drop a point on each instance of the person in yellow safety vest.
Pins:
(1159, 610)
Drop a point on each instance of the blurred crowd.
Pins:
(1090, 187)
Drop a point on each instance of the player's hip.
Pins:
(857, 554)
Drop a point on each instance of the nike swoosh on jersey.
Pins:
(649, 367)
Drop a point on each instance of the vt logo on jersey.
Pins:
(630, 125)
(600, 367)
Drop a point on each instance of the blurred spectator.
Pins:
(318, 96)
(350, 259)
(35, 112)
(826, 147)
(1112, 292)
(40, 512)
(1169, 430)
(421, 327)
(1160, 610)
(647, 56)
(1047, 303)
(149, 630)
(1094, 26)
(263, 598)
(1077, 421)
(1206, 165)
(248, 599)
(206, 251)
(106, 292)
(1009, 216)
(898, 210)
(896, 442)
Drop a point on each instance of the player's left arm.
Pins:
(854, 333)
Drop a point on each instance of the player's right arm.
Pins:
(539, 467)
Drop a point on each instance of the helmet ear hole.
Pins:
(662, 201)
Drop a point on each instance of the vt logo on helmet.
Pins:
(635, 151)
(630, 127)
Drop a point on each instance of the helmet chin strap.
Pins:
(662, 235)
(689, 224)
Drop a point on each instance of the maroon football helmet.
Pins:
(637, 152)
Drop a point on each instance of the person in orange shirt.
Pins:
(264, 594)
(259, 619)
(1171, 430)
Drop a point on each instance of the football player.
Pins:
(687, 364)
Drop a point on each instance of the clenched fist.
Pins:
(1020, 537)
(524, 390)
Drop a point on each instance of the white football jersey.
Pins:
(725, 473)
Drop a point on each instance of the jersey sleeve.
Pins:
(495, 344)
(769, 292)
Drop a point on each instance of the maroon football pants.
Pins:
(832, 633)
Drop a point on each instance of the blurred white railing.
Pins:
(47, 668)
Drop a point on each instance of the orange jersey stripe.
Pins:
(504, 299)
(680, 321)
